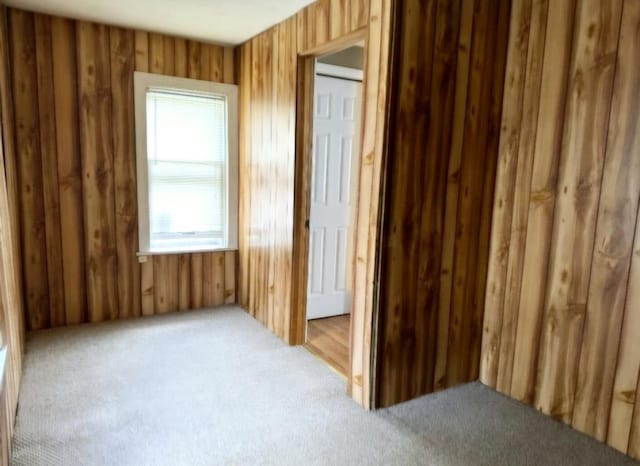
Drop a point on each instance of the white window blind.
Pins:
(187, 161)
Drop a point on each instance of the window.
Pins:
(186, 142)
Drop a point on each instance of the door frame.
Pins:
(302, 181)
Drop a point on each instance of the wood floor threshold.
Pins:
(328, 339)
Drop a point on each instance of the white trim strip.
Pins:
(339, 72)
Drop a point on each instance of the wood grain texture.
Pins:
(94, 83)
(478, 156)
(63, 38)
(122, 66)
(523, 174)
(272, 245)
(11, 290)
(48, 151)
(563, 270)
(364, 315)
(624, 401)
(29, 168)
(452, 190)
(8, 124)
(503, 209)
(413, 318)
(75, 161)
(329, 340)
(553, 88)
(304, 144)
(615, 229)
(184, 282)
(583, 152)
(268, 71)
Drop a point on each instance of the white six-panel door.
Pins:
(335, 139)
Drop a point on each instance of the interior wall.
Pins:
(11, 307)
(267, 137)
(562, 313)
(269, 70)
(76, 173)
(445, 127)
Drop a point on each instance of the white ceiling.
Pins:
(227, 22)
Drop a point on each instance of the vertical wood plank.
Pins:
(588, 105)
(146, 267)
(142, 51)
(229, 67)
(193, 65)
(301, 206)
(10, 234)
(97, 163)
(301, 29)
(156, 53)
(624, 401)
(211, 63)
(48, 151)
(230, 277)
(208, 279)
(398, 313)
(254, 176)
(147, 292)
(180, 59)
(359, 14)
(474, 159)
(218, 278)
(339, 18)
(244, 178)
(272, 206)
(294, 333)
(520, 209)
(29, 168)
(452, 192)
(505, 188)
(617, 212)
(542, 199)
(432, 223)
(10, 168)
(205, 62)
(634, 436)
(69, 168)
(496, 77)
(196, 281)
(168, 62)
(126, 214)
(165, 282)
(184, 282)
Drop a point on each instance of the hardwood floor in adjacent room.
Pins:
(328, 339)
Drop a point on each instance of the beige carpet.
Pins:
(214, 387)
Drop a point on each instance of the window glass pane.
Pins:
(187, 157)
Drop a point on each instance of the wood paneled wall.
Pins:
(269, 70)
(75, 153)
(268, 83)
(444, 131)
(11, 304)
(562, 319)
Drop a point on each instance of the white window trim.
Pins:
(142, 83)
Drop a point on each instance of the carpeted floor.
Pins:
(215, 387)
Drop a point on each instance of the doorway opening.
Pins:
(334, 168)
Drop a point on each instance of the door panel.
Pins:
(336, 115)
